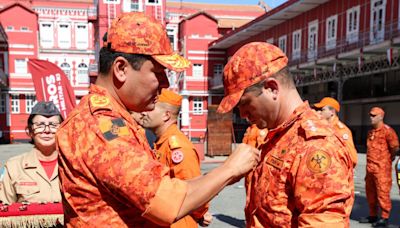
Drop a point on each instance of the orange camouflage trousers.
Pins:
(377, 186)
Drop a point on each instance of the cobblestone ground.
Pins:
(227, 207)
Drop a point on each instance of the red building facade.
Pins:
(344, 49)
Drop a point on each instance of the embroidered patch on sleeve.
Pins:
(177, 156)
(318, 161)
(173, 142)
(113, 129)
(99, 101)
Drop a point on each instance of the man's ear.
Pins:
(272, 85)
(120, 66)
(166, 116)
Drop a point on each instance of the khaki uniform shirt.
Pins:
(26, 180)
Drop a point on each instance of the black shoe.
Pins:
(381, 223)
(369, 219)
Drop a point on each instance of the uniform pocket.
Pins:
(26, 190)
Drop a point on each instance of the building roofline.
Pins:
(199, 13)
(278, 15)
(18, 4)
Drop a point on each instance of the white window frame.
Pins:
(3, 101)
(331, 32)
(198, 70)
(197, 105)
(15, 107)
(296, 44)
(352, 24)
(21, 66)
(81, 35)
(64, 35)
(312, 46)
(66, 67)
(46, 34)
(30, 101)
(282, 43)
(139, 4)
(82, 76)
(377, 35)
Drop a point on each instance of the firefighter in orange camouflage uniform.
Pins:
(109, 175)
(174, 149)
(305, 175)
(328, 107)
(382, 146)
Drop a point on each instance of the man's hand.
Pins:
(206, 220)
(243, 159)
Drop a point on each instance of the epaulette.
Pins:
(340, 125)
(174, 142)
(99, 102)
(313, 129)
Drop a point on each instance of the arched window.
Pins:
(83, 76)
(67, 70)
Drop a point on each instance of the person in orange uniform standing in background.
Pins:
(328, 107)
(109, 175)
(304, 177)
(382, 146)
(174, 149)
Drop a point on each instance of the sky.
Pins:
(271, 3)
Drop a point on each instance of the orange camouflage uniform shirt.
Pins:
(304, 177)
(347, 137)
(176, 151)
(109, 175)
(379, 143)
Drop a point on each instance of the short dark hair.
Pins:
(283, 76)
(107, 57)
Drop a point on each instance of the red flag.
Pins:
(51, 84)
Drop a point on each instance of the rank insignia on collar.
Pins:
(114, 128)
(318, 161)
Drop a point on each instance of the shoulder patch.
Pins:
(174, 142)
(318, 161)
(113, 128)
(177, 156)
(99, 102)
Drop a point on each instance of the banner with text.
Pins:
(51, 84)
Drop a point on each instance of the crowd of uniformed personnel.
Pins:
(298, 159)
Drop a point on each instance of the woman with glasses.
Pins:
(33, 176)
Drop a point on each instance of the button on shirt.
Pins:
(26, 180)
(304, 178)
(109, 175)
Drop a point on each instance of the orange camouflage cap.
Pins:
(251, 64)
(170, 97)
(377, 111)
(136, 33)
(330, 102)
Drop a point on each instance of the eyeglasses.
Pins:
(41, 126)
(372, 115)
